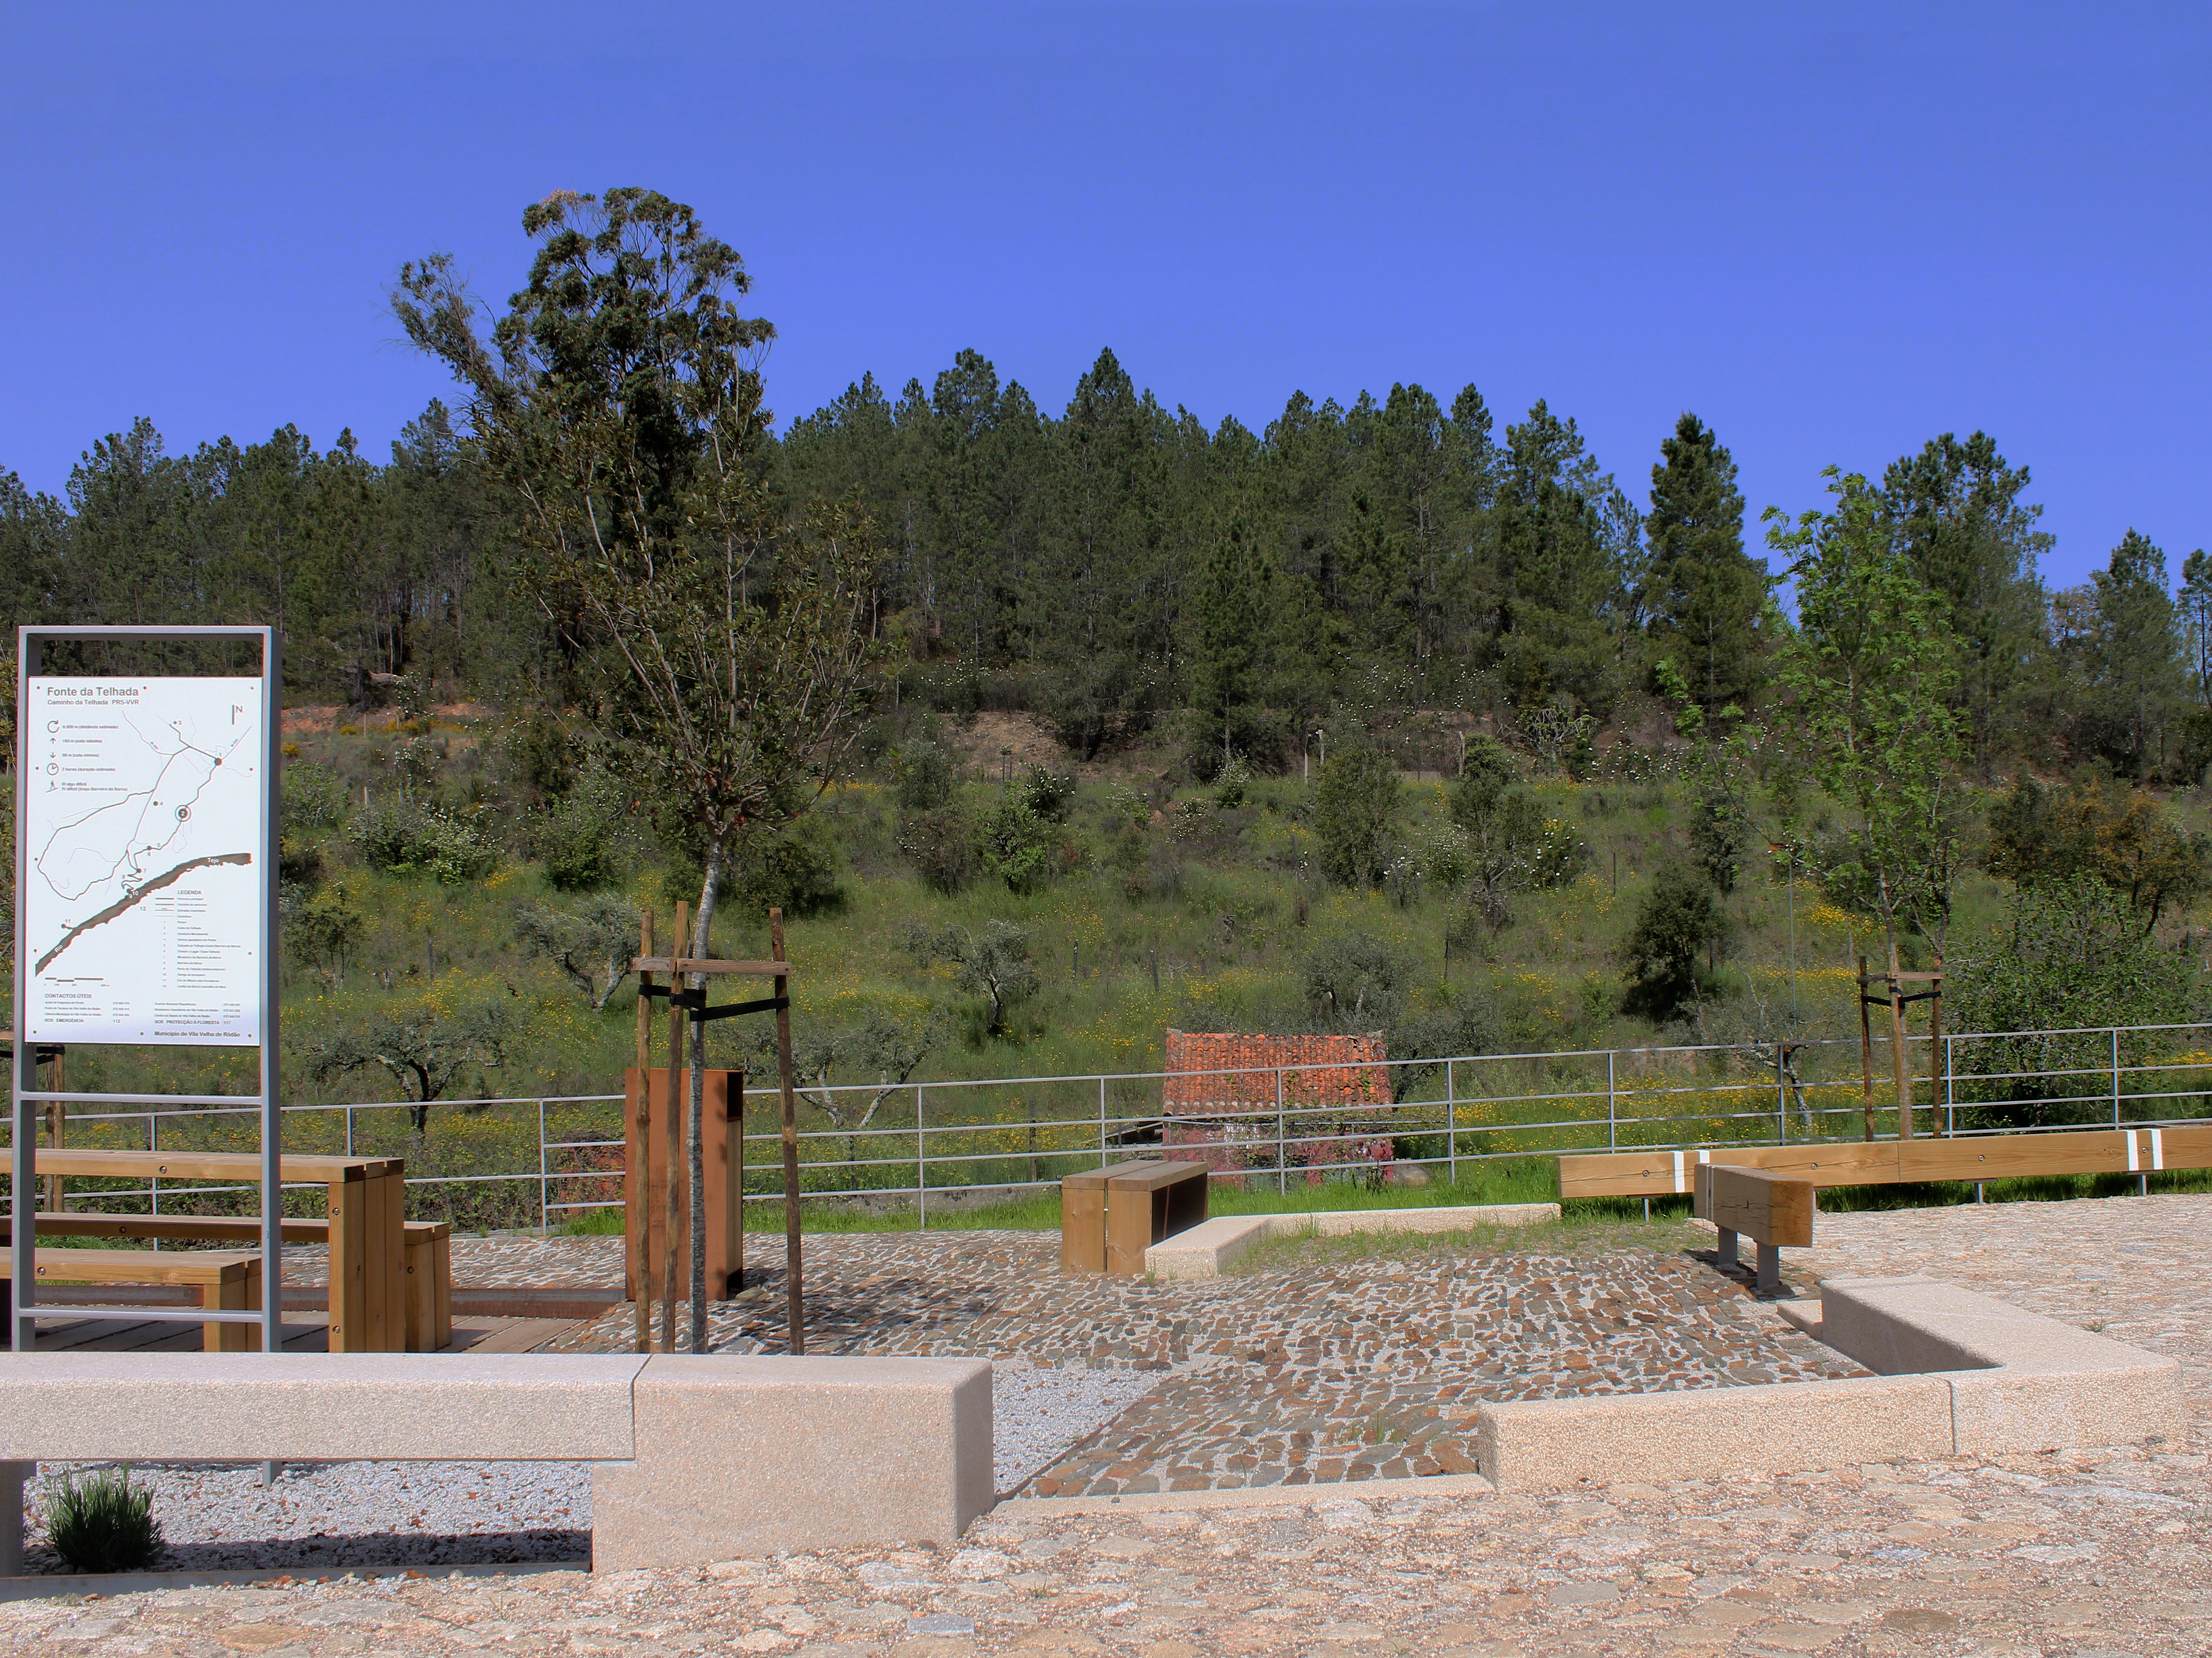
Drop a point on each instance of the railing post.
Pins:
(349, 1132)
(921, 1166)
(2116, 1076)
(544, 1218)
(1102, 1122)
(1611, 1107)
(1282, 1172)
(1781, 1094)
(1451, 1124)
(1950, 1100)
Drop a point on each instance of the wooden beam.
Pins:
(1650, 1173)
(209, 1165)
(710, 965)
(1766, 1207)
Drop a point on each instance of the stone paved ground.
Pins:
(2083, 1553)
(1310, 1372)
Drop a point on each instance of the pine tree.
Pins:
(1706, 595)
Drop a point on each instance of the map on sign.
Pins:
(141, 835)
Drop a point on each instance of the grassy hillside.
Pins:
(1159, 906)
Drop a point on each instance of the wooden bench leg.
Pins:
(391, 1252)
(1082, 1229)
(441, 1268)
(348, 1213)
(422, 1294)
(230, 1294)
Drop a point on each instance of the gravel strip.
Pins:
(339, 1515)
(318, 1515)
(1038, 1413)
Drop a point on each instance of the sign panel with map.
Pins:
(141, 834)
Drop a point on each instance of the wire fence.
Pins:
(537, 1163)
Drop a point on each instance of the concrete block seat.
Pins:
(696, 1459)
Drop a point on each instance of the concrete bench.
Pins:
(1773, 1210)
(696, 1459)
(1109, 1216)
(229, 1282)
(426, 1250)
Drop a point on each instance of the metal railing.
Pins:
(908, 1144)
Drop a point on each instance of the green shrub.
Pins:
(941, 845)
(1048, 793)
(794, 871)
(98, 1523)
(449, 846)
(1017, 844)
(1680, 919)
(925, 777)
(1355, 805)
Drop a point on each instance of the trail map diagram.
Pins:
(141, 835)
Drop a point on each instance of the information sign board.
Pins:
(142, 831)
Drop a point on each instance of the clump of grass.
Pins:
(595, 1222)
(100, 1523)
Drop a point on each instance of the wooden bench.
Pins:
(230, 1283)
(1109, 1216)
(1773, 1210)
(365, 1210)
(427, 1246)
(1651, 1174)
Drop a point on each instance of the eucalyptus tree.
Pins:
(618, 404)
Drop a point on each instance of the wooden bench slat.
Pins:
(206, 1165)
(295, 1228)
(1650, 1173)
(137, 1265)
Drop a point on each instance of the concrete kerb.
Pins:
(694, 1460)
(1957, 1374)
(1212, 1245)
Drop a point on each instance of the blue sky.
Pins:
(1833, 231)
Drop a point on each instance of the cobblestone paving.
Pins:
(2079, 1554)
(1343, 1370)
(2089, 1556)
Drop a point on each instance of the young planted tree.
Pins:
(617, 404)
(1872, 670)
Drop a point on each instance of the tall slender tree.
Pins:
(1706, 596)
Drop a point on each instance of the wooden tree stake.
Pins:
(1897, 1049)
(793, 1276)
(642, 1208)
(675, 1138)
(1866, 1052)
